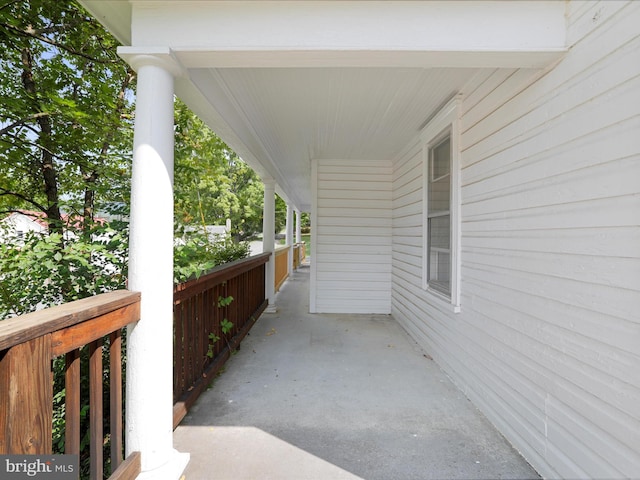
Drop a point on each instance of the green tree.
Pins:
(65, 117)
(65, 135)
(212, 184)
(201, 186)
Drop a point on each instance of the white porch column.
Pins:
(149, 386)
(298, 226)
(289, 237)
(268, 241)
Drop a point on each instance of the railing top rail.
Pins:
(219, 274)
(14, 331)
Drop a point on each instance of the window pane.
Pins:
(440, 271)
(441, 155)
(439, 192)
(439, 232)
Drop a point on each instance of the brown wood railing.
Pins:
(197, 318)
(29, 343)
(296, 256)
(282, 266)
(299, 253)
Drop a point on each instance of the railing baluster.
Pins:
(72, 403)
(95, 408)
(115, 397)
(178, 353)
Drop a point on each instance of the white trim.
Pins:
(268, 241)
(314, 236)
(446, 119)
(289, 238)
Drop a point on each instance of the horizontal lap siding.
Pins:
(547, 342)
(352, 266)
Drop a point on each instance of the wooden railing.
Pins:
(299, 254)
(201, 345)
(281, 266)
(29, 343)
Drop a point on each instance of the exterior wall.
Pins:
(14, 227)
(546, 343)
(351, 244)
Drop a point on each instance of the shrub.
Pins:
(196, 253)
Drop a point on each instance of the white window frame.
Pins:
(444, 123)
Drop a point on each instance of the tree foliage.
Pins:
(65, 117)
(40, 273)
(212, 184)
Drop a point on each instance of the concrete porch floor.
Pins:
(338, 397)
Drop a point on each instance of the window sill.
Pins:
(442, 300)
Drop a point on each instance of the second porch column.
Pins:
(268, 242)
(149, 385)
(289, 237)
(298, 227)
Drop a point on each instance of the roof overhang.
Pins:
(283, 82)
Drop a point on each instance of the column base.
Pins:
(172, 470)
(271, 308)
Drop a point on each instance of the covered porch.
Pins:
(320, 396)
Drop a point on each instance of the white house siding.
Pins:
(548, 338)
(351, 256)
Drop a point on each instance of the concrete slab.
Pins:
(338, 396)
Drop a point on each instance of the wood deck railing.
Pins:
(200, 345)
(29, 343)
(281, 266)
(299, 254)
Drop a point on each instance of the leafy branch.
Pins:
(23, 121)
(29, 32)
(225, 326)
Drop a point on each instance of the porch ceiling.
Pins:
(285, 82)
(285, 117)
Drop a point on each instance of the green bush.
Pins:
(196, 253)
(47, 270)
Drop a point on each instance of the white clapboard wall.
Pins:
(351, 244)
(547, 343)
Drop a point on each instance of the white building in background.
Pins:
(472, 168)
(15, 226)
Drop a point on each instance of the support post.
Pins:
(298, 226)
(149, 387)
(27, 398)
(289, 238)
(268, 241)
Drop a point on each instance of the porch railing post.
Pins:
(25, 383)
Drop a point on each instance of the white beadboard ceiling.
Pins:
(294, 115)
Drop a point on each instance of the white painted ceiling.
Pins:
(294, 115)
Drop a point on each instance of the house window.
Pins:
(439, 217)
(441, 243)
